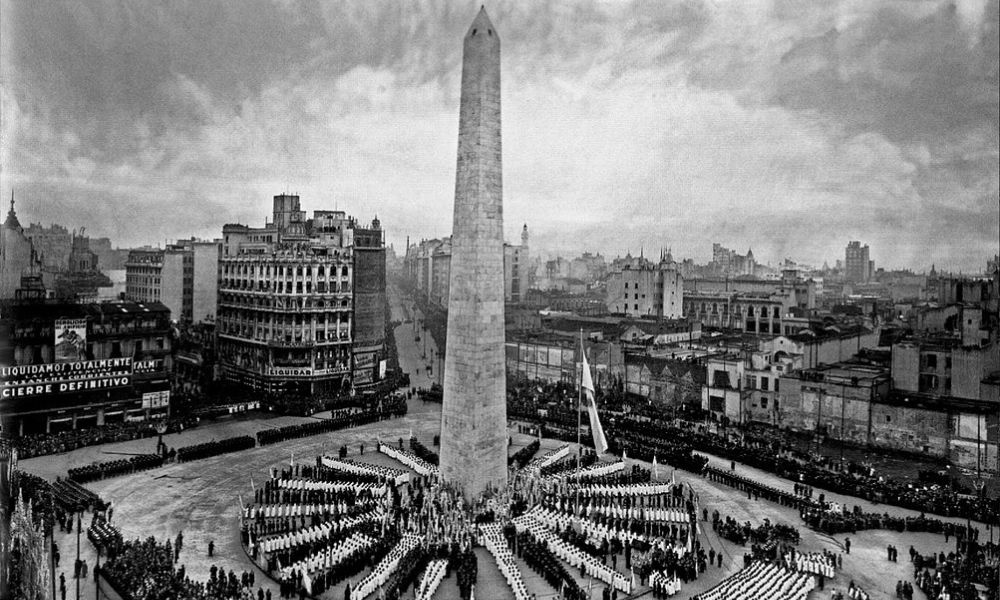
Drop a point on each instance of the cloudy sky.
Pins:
(786, 125)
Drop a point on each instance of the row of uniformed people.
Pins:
(492, 537)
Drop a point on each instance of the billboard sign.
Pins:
(156, 399)
(70, 340)
(382, 365)
(58, 378)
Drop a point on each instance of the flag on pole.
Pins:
(587, 385)
(291, 459)
(252, 486)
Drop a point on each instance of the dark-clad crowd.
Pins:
(214, 448)
(114, 468)
(387, 406)
(64, 441)
(146, 569)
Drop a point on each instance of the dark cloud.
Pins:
(788, 126)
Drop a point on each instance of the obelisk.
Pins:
(474, 411)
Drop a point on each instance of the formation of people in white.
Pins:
(320, 562)
(492, 537)
(589, 565)
(663, 584)
(421, 466)
(547, 459)
(624, 489)
(397, 476)
(763, 581)
(814, 562)
(308, 535)
(431, 579)
(594, 531)
(282, 511)
(606, 508)
(594, 470)
(298, 484)
(387, 566)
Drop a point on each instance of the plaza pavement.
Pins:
(201, 498)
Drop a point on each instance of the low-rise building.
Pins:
(834, 400)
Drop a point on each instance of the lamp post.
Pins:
(76, 566)
(161, 428)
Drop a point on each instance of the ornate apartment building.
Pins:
(301, 304)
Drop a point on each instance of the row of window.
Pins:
(287, 287)
(283, 271)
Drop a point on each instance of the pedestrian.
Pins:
(211, 547)
(847, 545)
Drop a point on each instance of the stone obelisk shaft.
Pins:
(474, 411)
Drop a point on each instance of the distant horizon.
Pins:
(788, 129)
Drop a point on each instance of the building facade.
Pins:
(18, 256)
(428, 265)
(858, 266)
(183, 276)
(295, 315)
(647, 291)
(69, 365)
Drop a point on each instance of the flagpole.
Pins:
(579, 408)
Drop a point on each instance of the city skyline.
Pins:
(788, 131)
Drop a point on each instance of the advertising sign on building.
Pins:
(156, 399)
(290, 371)
(71, 340)
(57, 378)
(382, 365)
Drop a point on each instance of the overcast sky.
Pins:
(787, 126)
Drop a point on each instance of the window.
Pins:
(947, 362)
(765, 384)
(931, 361)
(763, 402)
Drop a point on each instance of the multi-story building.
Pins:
(515, 269)
(758, 313)
(53, 244)
(183, 276)
(647, 291)
(729, 262)
(302, 302)
(858, 266)
(18, 256)
(803, 291)
(428, 265)
(68, 365)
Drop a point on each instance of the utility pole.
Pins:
(76, 566)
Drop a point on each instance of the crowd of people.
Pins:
(743, 533)
(147, 569)
(345, 418)
(41, 444)
(114, 468)
(770, 452)
(423, 452)
(522, 457)
(953, 576)
(831, 520)
(215, 448)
